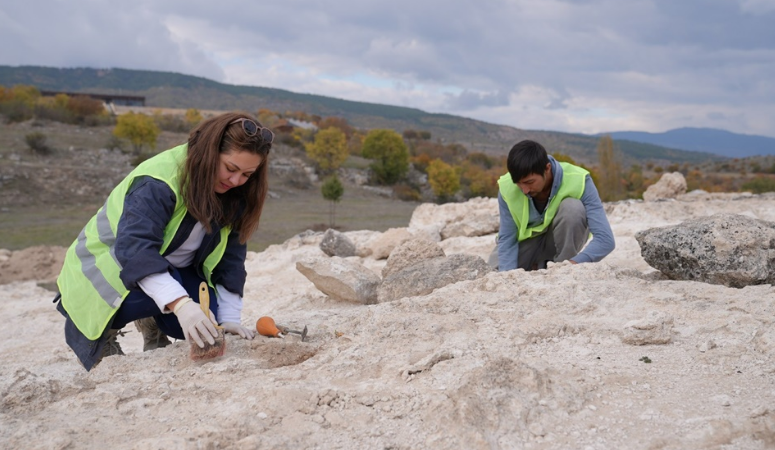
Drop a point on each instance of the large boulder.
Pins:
(471, 225)
(341, 279)
(409, 253)
(728, 249)
(336, 243)
(671, 185)
(389, 240)
(426, 276)
(432, 219)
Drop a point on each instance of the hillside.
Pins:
(720, 142)
(165, 89)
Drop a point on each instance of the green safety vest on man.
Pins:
(90, 282)
(572, 185)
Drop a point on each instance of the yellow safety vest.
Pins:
(91, 287)
(573, 181)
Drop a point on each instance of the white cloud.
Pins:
(757, 7)
(568, 65)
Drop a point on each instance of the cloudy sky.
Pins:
(583, 66)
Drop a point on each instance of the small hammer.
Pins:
(286, 330)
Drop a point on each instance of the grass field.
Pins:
(282, 218)
(358, 210)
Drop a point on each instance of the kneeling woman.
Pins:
(180, 218)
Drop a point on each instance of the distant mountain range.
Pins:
(174, 90)
(712, 140)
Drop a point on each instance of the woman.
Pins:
(180, 218)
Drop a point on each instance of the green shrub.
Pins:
(45, 112)
(115, 143)
(37, 143)
(444, 179)
(332, 191)
(406, 193)
(389, 154)
(172, 123)
(15, 111)
(760, 184)
(288, 139)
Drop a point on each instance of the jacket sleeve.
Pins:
(230, 272)
(508, 245)
(602, 242)
(148, 208)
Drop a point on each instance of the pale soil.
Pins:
(513, 360)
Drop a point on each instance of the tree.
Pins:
(478, 182)
(444, 179)
(18, 103)
(635, 182)
(303, 136)
(139, 129)
(390, 155)
(83, 106)
(411, 134)
(193, 117)
(610, 173)
(329, 150)
(26, 94)
(268, 118)
(337, 122)
(482, 160)
(417, 134)
(450, 154)
(355, 143)
(61, 101)
(332, 190)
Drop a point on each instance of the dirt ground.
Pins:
(514, 360)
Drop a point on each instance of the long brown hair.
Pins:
(239, 207)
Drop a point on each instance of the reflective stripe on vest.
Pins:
(573, 181)
(90, 281)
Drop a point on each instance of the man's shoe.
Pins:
(153, 338)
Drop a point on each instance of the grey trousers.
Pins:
(563, 240)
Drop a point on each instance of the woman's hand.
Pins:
(238, 329)
(195, 324)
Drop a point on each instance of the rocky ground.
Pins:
(593, 356)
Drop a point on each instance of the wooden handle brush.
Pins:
(209, 351)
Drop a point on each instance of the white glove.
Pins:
(195, 324)
(236, 328)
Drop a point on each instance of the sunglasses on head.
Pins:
(251, 128)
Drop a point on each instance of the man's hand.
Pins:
(554, 265)
(238, 329)
(195, 324)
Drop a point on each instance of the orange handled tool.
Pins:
(266, 327)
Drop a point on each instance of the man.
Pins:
(547, 211)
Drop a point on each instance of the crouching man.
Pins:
(547, 211)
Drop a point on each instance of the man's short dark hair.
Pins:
(526, 158)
